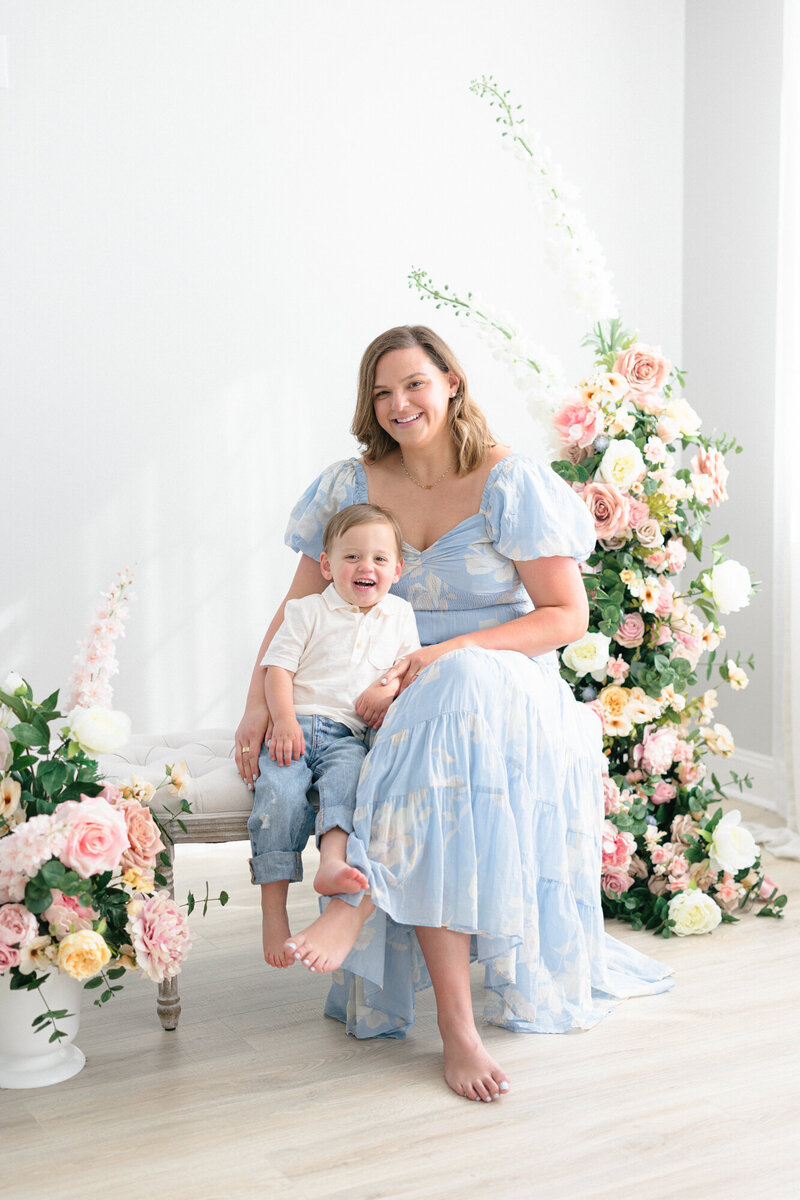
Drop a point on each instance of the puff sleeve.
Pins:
(532, 513)
(339, 485)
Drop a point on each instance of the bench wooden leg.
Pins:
(168, 1004)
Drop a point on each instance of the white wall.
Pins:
(733, 87)
(208, 210)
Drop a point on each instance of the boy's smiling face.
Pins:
(363, 563)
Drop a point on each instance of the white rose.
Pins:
(13, 680)
(732, 848)
(684, 416)
(589, 654)
(693, 912)
(622, 464)
(729, 584)
(99, 730)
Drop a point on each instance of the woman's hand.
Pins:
(255, 725)
(407, 670)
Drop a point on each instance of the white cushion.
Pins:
(213, 785)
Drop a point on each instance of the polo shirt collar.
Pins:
(334, 601)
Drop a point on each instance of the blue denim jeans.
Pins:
(282, 820)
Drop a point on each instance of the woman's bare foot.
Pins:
(337, 877)
(275, 924)
(326, 943)
(468, 1069)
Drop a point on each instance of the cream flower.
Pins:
(719, 740)
(737, 678)
(683, 414)
(730, 585)
(98, 730)
(622, 464)
(693, 912)
(732, 848)
(588, 654)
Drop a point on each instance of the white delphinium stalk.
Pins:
(572, 248)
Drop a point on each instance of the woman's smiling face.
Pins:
(411, 397)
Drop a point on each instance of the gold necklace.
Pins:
(426, 487)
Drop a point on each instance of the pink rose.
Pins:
(664, 792)
(611, 796)
(614, 883)
(646, 371)
(9, 957)
(66, 915)
(711, 463)
(17, 925)
(658, 749)
(676, 555)
(662, 854)
(160, 937)
(631, 630)
(144, 839)
(608, 506)
(766, 889)
(666, 595)
(96, 836)
(578, 424)
(638, 512)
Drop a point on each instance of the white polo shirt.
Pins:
(336, 651)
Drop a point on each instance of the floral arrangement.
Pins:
(95, 664)
(670, 864)
(79, 857)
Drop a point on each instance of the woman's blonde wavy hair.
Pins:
(470, 432)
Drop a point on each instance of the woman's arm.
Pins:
(556, 588)
(253, 725)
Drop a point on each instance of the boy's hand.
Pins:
(374, 701)
(287, 742)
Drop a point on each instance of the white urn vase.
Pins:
(28, 1059)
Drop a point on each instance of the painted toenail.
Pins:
(504, 1086)
(487, 1099)
(292, 945)
(313, 968)
(477, 1098)
(298, 954)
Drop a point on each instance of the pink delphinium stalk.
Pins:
(96, 660)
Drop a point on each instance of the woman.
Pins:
(480, 803)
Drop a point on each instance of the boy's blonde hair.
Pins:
(360, 514)
(468, 428)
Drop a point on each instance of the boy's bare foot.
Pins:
(275, 924)
(469, 1070)
(326, 943)
(336, 876)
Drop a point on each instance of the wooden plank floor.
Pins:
(692, 1093)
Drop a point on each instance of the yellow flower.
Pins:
(83, 954)
(137, 881)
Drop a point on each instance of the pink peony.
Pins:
(608, 506)
(664, 792)
(25, 850)
(631, 630)
(17, 925)
(617, 847)
(676, 555)
(65, 915)
(96, 836)
(144, 839)
(578, 423)
(691, 773)
(160, 937)
(657, 749)
(711, 464)
(615, 882)
(617, 668)
(9, 957)
(646, 371)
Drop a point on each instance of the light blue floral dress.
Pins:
(480, 803)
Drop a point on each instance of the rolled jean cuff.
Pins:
(276, 865)
(332, 816)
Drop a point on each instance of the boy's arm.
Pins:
(374, 701)
(287, 741)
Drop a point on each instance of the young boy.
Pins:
(329, 653)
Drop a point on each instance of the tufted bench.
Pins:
(220, 803)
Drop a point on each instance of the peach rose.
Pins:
(96, 836)
(144, 839)
(608, 506)
(631, 630)
(83, 954)
(646, 370)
